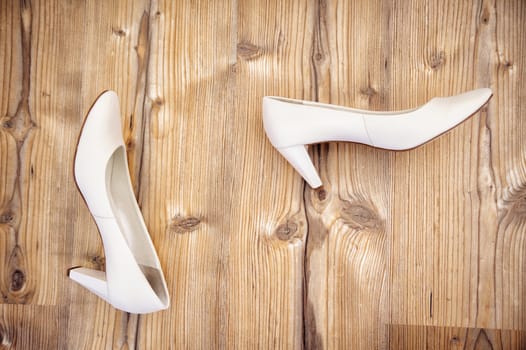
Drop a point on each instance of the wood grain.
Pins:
(346, 260)
(399, 250)
(456, 273)
(431, 337)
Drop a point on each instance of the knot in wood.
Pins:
(321, 194)
(183, 225)
(285, 231)
(360, 216)
(21, 125)
(8, 124)
(118, 31)
(519, 207)
(485, 15)
(368, 91)
(158, 101)
(98, 261)
(454, 340)
(18, 279)
(516, 202)
(130, 145)
(6, 217)
(318, 57)
(248, 51)
(506, 65)
(437, 60)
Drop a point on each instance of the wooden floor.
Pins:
(399, 250)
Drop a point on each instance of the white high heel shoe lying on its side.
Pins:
(291, 125)
(134, 281)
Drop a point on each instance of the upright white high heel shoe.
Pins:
(291, 125)
(134, 281)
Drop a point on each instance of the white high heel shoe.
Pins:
(134, 281)
(291, 125)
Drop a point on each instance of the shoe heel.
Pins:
(92, 280)
(299, 158)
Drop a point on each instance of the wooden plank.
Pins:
(507, 127)
(273, 55)
(11, 73)
(14, 128)
(234, 267)
(430, 337)
(346, 258)
(434, 238)
(56, 74)
(449, 195)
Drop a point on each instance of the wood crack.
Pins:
(319, 53)
(488, 221)
(137, 328)
(312, 339)
(143, 60)
(304, 286)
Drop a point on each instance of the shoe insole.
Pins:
(130, 221)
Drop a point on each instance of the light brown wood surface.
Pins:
(398, 250)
